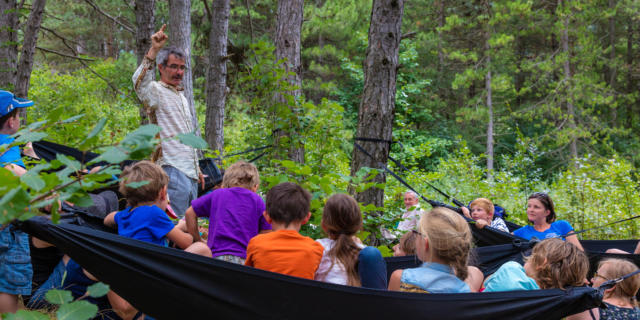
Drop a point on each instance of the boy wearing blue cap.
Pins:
(15, 261)
(9, 124)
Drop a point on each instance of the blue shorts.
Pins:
(181, 189)
(15, 262)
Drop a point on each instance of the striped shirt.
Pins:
(170, 110)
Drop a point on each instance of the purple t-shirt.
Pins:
(235, 216)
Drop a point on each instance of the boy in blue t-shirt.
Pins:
(15, 260)
(144, 185)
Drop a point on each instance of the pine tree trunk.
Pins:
(217, 75)
(180, 37)
(441, 21)
(612, 62)
(8, 43)
(573, 145)
(376, 112)
(145, 17)
(630, 87)
(489, 152)
(290, 13)
(25, 64)
(145, 22)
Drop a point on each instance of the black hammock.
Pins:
(168, 283)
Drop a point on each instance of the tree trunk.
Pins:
(441, 21)
(145, 16)
(567, 79)
(290, 13)
(376, 112)
(25, 64)
(630, 87)
(490, 111)
(612, 62)
(8, 43)
(180, 37)
(145, 22)
(217, 75)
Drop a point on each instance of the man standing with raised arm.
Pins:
(169, 108)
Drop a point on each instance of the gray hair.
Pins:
(415, 195)
(163, 56)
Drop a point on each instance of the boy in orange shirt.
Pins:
(284, 250)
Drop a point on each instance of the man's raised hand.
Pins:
(159, 38)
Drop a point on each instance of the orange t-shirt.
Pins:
(285, 251)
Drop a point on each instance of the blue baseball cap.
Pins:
(9, 102)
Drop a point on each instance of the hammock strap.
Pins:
(401, 166)
(610, 283)
(571, 233)
(405, 183)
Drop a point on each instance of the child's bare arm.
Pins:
(637, 251)
(573, 239)
(481, 223)
(465, 211)
(180, 238)
(110, 220)
(192, 224)
(121, 307)
(16, 169)
(394, 280)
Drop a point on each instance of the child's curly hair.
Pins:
(558, 264)
(241, 174)
(146, 172)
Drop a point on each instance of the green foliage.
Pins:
(82, 93)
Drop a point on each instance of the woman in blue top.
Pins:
(541, 213)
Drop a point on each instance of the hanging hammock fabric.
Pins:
(168, 283)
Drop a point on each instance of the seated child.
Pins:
(443, 244)
(345, 260)
(482, 212)
(146, 219)
(620, 300)
(235, 213)
(407, 245)
(15, 266)
(553, 263)
(284, 250)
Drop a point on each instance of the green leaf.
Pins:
(96, 130)
(98, 290)
(137, 184)
(13, 204)
(33, 181)
(25, 315)
(192, 140)
(69, 162)
(56, 296)
(72, 119)
(30, 137)
(306, 170)
(81, 199)
(77, 310)
(112, 155)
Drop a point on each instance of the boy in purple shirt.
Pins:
(235, 213)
